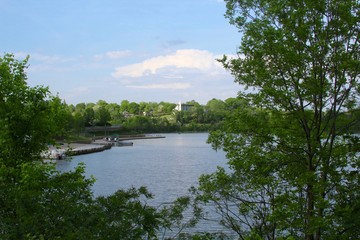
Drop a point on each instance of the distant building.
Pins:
(127, 114)
(183, 107)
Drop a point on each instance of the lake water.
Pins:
(168, 166)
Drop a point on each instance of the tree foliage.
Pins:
(30, 117)
(293, 161)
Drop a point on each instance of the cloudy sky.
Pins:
(144, 50)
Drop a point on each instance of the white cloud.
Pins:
(200, 60)
(162, 86)
(173, 76)
(113, 55)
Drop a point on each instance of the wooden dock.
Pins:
(87, 148)
(98, 145)
(141, 136)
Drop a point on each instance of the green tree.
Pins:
(30, 118)
(133, 108)
(80, 107)
(129, 218)
(102, 116)
(142, 106)
(115, 113)
(124, 106)
(101, 103)
(215, 110)
(195, 114)
(167, 108)
(89, 116)
(293, 163)
(235, 103)
(151, 108)
(139, 124)
(78, 123)
(49, 205)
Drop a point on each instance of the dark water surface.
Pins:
(167, 166)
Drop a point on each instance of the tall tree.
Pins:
(293, 162)
(102, 116)
(29, 116)
(124, 106)
(215, 110)
(89, 116)
(115, 113)
(133, 108)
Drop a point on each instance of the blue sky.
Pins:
(144, 50)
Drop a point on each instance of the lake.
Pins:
(168, 166)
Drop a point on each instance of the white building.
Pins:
(183, 107)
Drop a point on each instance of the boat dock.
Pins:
(97, 145)
(139, 136)
(79, 149)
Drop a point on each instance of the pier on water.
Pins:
(97, 145)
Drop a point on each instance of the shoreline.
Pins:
(98, 145)
(62, 151)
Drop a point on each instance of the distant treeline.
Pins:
(152, 117)
(149, 117)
